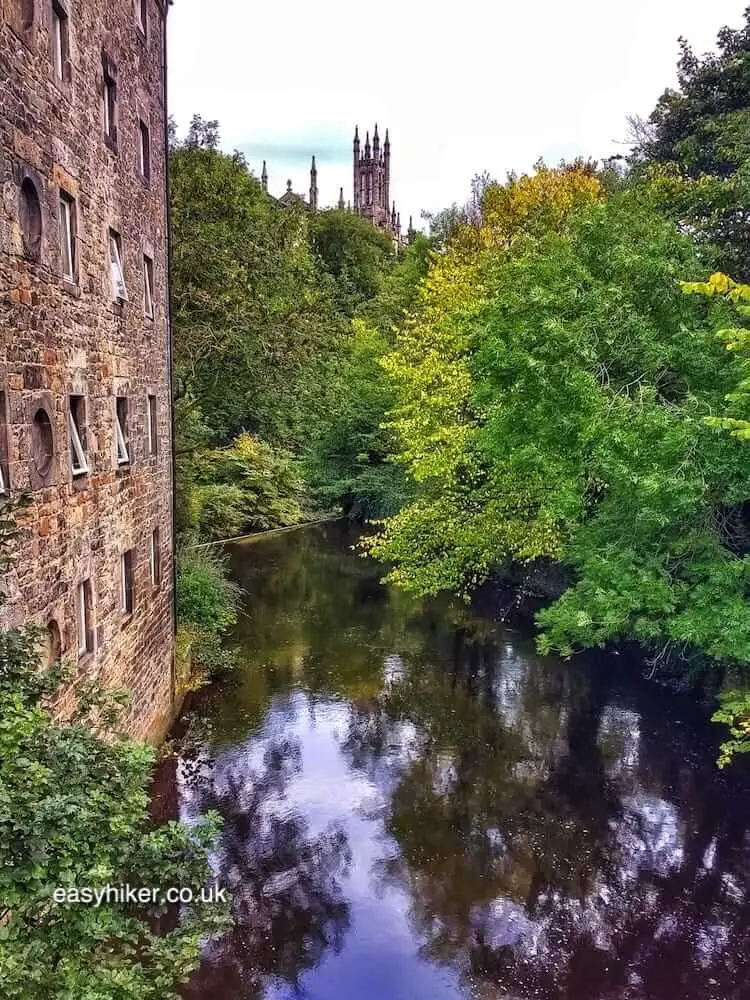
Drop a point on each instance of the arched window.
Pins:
(31, 219)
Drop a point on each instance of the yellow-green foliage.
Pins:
(552, 392)
(246, 487)
(735, 705)
(735, 339)
(437, 415)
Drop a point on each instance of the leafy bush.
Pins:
(246, 487)
(206, 598)
(219, 509)
(349, 467)
(207, 605)
(73, 815)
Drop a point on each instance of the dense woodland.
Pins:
(557, 377)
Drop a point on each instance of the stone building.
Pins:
(85, 402)
(372, 188)
(289, 197)
(372, 182)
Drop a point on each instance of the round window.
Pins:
(42, 442)
(31, 218)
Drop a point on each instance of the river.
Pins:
(420, 807)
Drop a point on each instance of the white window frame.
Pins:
(148, 290)
(107, 122)
(57, 42)
(4, 456)
(141, 17)
(117, 275)
(78, 464)
(67, 239)
(123, 454)
(82, 616)
(109, 116)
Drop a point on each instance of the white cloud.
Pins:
(462, 87)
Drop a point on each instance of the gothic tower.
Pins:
(372, 180)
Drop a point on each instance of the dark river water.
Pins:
(419, 807)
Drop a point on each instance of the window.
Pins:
(153, 436)
(155, 558)
(110, 100)
(119, 291)
(42, 442)
(52, 649)
(141, 14)
(4, 478)
(27, 14)
(144, 151)
(83, 613)
(77, 430)
(121, 430)
(59, 41)
(127, 589)
(68, 235)
(148, 287)
(31, 219)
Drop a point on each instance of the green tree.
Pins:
(354, 252)
(351, 465)
(253, 314)
(698, 140)
(552, 391)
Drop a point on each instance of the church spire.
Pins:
(367, 145)
(313, 186)
(340, 205)
(357, 169)
(375, 142)
(264, 177)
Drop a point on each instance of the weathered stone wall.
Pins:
(61, 337)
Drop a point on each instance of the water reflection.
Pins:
(418, 806)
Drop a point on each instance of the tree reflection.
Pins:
(287, 901)
(547, 852)
(555, 834)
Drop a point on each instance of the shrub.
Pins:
(206, 598)
(207, 604)
(73, 815)
(246, 487)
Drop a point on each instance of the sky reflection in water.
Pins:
(419, 807)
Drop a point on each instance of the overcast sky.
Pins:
(463, 85)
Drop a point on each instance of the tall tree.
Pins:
(698, 139)
(354, 252)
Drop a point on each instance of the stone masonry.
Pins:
(84, 340)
